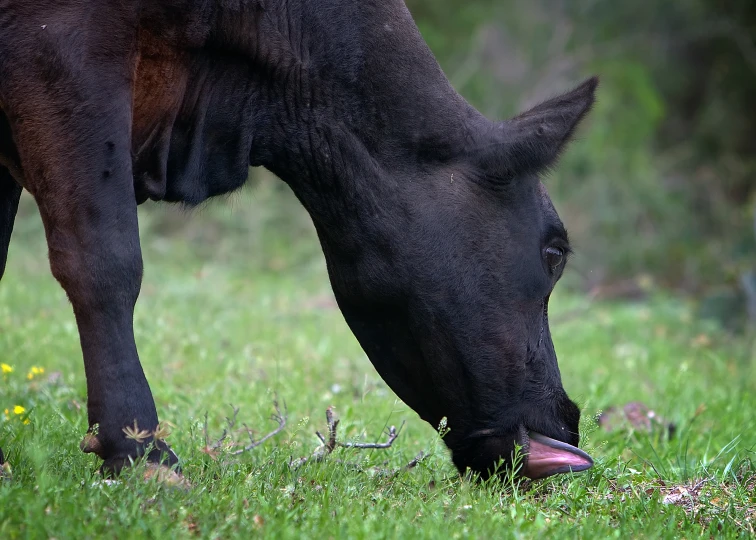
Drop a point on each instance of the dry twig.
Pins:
(331, 442)
(277, 416)
(213, 449)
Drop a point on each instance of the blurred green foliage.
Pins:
(661, 184)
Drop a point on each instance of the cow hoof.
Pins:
(160, 456)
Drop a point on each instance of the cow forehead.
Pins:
(548, 207)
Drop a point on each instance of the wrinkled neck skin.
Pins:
(352, 105)
(349, 107)
(364, 122)
(343, 100)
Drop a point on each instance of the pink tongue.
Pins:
(548, 456)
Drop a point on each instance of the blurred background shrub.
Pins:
(659, 190)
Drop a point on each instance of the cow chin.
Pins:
(488, 453)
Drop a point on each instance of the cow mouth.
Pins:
(546, 457)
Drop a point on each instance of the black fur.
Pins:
(431, 217)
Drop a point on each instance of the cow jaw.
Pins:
(547, 456)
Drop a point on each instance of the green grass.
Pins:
(237, 320)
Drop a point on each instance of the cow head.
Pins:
(443, 269)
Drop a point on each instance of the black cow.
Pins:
(442, 245)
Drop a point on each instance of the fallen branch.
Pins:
(213, 449)
(230, 423)
(332, 443)
(332, 423)
(277, 416)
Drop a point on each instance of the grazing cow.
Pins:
(441, 243)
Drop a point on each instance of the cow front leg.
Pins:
(94, 250)
(80, 176)
(69, 104)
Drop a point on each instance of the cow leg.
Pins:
(79, 172)
(93, 242)
(10, 193)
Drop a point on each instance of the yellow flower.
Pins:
(27, 422)
(18, 409)
(6, 368)
(35, 371)
(7, 412)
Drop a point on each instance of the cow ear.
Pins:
(534, 139)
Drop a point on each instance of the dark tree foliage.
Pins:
(663, 181)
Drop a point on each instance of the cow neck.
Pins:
(359, 105)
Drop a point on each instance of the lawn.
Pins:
(236, 310)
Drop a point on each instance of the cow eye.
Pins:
(554, 257)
